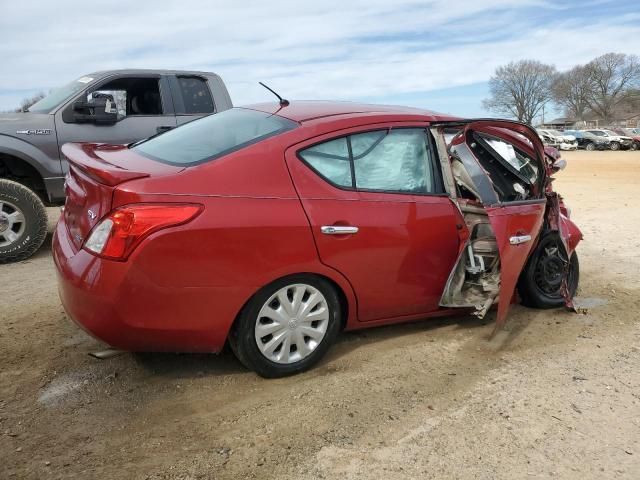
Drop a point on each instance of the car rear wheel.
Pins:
(23, 222)
(635, 145)
(590, 147)
(287, 326)
(615, 146)
(540, 282)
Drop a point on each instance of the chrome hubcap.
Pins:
(12, 223)
(292, 323)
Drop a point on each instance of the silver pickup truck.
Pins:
(117, 106)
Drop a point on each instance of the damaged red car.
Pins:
(272, 228)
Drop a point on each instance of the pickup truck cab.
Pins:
(115, 107)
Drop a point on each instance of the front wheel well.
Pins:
(18, 170)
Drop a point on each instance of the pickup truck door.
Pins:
(144, 102)
(487, 149)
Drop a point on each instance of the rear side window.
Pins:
(394, 161)
(195, 95)
(213, 136)
(331, 160)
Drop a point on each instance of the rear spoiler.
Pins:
(83, 157)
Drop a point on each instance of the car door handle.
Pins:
(163, 128)
(518, 239)
(338, 230)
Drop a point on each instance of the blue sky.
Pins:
(431, 54)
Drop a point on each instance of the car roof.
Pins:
(306, 110)
(143, 71)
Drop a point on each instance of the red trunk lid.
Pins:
(95, 171)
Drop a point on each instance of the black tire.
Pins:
(590, 147)
(614, 146)
(242, 338)
(31, 232)
(539, 284)
(635, 145)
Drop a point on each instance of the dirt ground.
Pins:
(557, 394)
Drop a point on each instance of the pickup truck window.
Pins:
(136, 96)
(213, 136)
(195, 95)
(59, 95)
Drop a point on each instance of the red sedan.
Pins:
(274, 227)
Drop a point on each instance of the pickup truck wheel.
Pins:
(540, 282)
(23, 222)
(590, 147)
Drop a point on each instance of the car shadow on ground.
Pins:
(190, 365)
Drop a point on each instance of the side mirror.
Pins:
(100, 109)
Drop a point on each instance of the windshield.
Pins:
(213, 136)
(59, 95)
(555, 133)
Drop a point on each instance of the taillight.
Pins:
(118, 233)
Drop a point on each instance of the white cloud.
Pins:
(329, 49)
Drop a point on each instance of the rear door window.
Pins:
(391, 161)
(397, 161)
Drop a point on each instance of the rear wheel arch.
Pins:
(240, 336)
(342, 297)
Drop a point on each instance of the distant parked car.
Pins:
(549, 141)
(589, 141)
(617, 141)
(634, 133)
(564, 141)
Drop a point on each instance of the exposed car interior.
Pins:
(486, 170)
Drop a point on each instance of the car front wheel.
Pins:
(540, 283)
(287, 326)
(590, 147)
(23, 222)
(615, 146)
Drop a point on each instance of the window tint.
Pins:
(331, 160)
(398, 160)
(195, 95)
(213, 136)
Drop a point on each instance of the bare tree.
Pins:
(612, 76)
(572, 90)
(520, 89)
(28, 101)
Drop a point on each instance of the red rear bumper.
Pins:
(118, 303)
